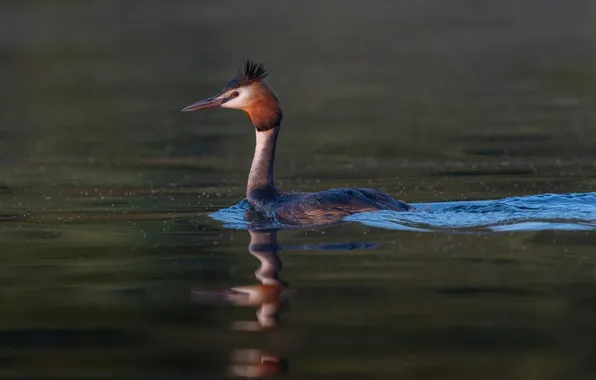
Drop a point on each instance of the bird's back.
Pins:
(331, 206)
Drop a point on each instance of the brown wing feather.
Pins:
(333, 205)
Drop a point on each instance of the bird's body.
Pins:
(249, 93)
(329, 206)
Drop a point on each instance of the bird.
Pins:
(249, 92)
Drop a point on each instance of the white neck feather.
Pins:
(261, 170)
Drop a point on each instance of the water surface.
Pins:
(120, 218)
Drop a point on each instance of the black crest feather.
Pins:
(252, 71)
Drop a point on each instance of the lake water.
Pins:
(124, 252)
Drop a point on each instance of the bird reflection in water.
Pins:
(268, 294)
(268, 297)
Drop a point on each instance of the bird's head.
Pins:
(250, 93)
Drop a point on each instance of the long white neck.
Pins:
(260, 179)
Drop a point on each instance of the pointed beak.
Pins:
(205, 104)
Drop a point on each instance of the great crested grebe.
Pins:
(249, 92)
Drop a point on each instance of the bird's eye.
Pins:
(234, 94)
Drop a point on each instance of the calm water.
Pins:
(123, 243)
